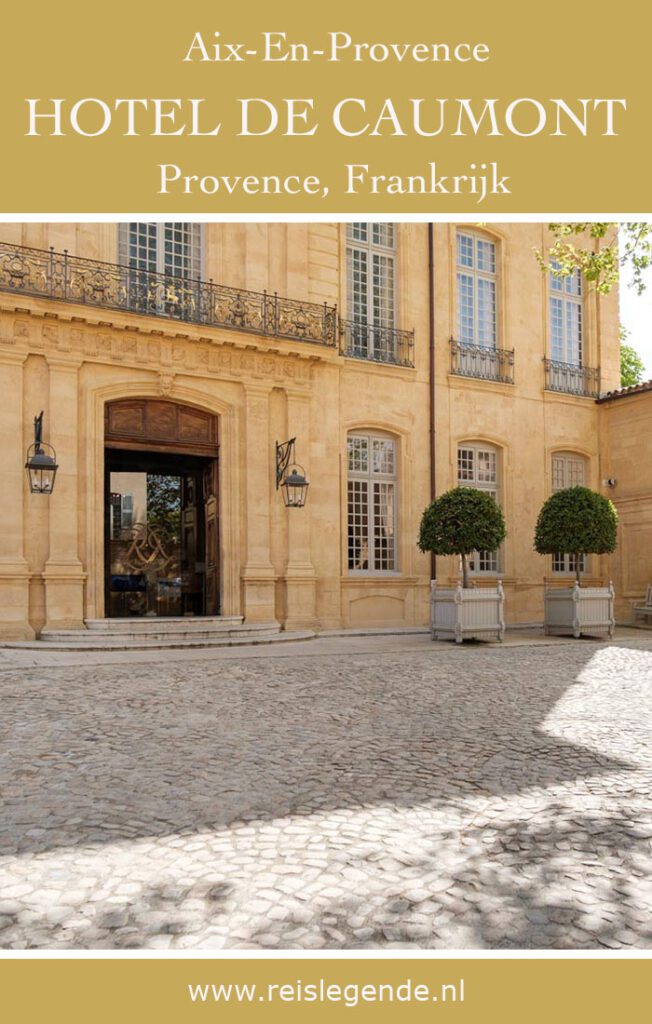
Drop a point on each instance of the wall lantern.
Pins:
(41, 462)
(293, 484)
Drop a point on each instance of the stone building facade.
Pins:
(626, 447)
(403, 358)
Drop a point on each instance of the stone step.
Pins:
(89, 637)
(167, 624)
(97, 642)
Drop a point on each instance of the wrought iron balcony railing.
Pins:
(572, 379)
(377, 344)
(482, 363)
(57, 275)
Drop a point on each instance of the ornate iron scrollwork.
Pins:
(95, 283)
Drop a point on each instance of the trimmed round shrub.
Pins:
(461, 521)
(576, 521)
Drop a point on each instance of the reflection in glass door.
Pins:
(155, 544)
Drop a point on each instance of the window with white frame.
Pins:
(172, 248)
(476, 290)
(568, 470)
(566, 318)
(371, 503)
(478, 466)
(371, 286)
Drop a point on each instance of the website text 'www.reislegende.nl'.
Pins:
(348, 995)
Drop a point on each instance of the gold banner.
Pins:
(315, 109)
(505, 990)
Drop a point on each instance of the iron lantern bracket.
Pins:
(284, 456)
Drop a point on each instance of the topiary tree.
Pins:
(459, 522)
(576, 521)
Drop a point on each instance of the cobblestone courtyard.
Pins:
(347, 793)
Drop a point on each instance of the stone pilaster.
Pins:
(258, 577)
(14, 571)
(300, 578)
(63, 574)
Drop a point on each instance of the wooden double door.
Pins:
(161, 511)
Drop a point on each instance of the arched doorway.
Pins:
(161, 509)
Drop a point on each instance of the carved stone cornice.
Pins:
(166, 352)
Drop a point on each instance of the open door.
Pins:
(192, 560)
(211, 536)
(161, 502)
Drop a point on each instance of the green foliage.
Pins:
(461, 521)
(164, 507)
(576, 521)
(632, 367)
(611, 247)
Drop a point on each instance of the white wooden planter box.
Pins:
(475, 613)
(579, 610)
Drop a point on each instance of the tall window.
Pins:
(566, 327)
(371, 287)
(477, 466)
(172, 248)
(568, 470)
(476, 290)
(371, 503)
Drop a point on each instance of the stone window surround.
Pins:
(367, 475)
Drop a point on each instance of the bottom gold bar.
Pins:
(511, 990)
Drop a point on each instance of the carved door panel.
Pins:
(211, 521)
(150, 423)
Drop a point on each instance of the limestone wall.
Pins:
(626, 441)
(281, 564)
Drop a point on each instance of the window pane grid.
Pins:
(478, 467)
(465, 465)
(169, 248)
(383, 291)
(383, 456)
(356, 232)
(181, 249)
(358, 524)
(483, 561)
(465, 250)
(566, 317)
(476, 291)
(358, 455)
(371, 511)
(357, 262)
(486, 468)
(371, 287)
(486, 313)
(465, 309)
(566, 563)
(383, 526)
(568, 471)
(485, 256)
(383, 235)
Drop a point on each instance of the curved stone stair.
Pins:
(160, 633)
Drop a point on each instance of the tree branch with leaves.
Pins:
(632, 368)
(611, 247)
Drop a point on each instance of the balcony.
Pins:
(66, 278)
(481, 362)
(572, 379)
(377, 344)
